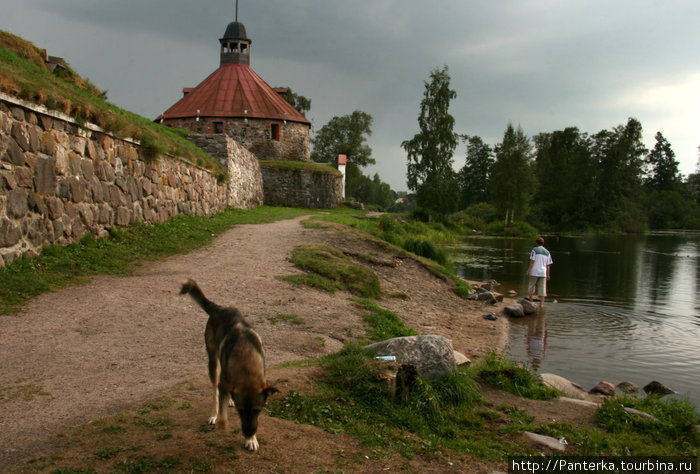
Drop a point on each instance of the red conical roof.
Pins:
(229, 92)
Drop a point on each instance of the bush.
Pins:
(421, 214)
(516, 229)
(427, 249)
(464, 220)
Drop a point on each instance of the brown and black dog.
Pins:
(236, 365)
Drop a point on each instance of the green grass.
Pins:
(118, 255)
(299, 165)
(22, 74)
(352, 396)
(384, 324)
(290, 318)
(330, 269)
(426, 240)
(500, 372)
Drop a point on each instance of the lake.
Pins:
(618, 307)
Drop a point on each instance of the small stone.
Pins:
(547, 441)
(461, 359)
(487, 297)
(634, 411)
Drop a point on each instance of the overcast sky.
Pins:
(541, 64)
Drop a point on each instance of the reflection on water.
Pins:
(627, 306)
(536, 339)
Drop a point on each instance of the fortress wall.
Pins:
(256, 135)
(301, 188)
(60, 181)
(245, 186)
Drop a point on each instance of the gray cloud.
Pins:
(544, 64)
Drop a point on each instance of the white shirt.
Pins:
(541, 258)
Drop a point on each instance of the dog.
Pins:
(236, 365)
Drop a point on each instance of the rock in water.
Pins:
(657, 388)
(514, 310)
(528, 306)
(628, 387)
(603, 388)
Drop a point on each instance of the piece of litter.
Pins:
(386, 358)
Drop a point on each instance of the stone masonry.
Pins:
(301, 188)
(256, 136)
(245, 178)
(59, 182)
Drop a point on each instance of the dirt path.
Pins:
(85, 352)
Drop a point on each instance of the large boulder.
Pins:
(432, 355)
(514, 310)
(528, 306)
(565, 386)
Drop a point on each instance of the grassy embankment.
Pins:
(450, 414)
(23, 74)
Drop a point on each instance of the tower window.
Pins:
(275, 131)
(218, 127)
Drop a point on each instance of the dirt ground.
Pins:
(88, 352)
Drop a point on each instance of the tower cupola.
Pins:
(235, 45)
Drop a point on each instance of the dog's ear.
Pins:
(269, 390)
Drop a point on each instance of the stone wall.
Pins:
(59, 181)
(256, 135)
(300, 187)
(245, 185)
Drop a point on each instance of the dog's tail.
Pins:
(190, 286)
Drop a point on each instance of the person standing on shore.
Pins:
(538, 271)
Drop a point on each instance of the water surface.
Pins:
(619, 307)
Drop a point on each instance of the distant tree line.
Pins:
(347, 135)
(565, 180)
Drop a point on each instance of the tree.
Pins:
(662, 174)
(513, 181)
(566, 173)
(475, 175)
(346, 135)
(375, 192)
(693, 181)
(298, 101)
(430, 151)
(620, 155)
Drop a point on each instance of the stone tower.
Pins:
(235, 101)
